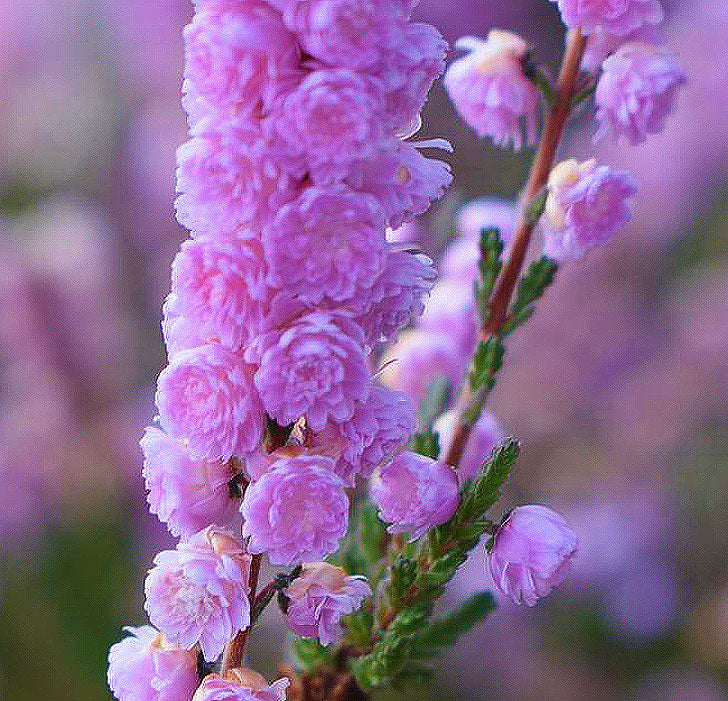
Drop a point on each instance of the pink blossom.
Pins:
(450, 311)
(397, 296)
(613, 16)
(241, 685)
(188, 495)
(418, 359)
(297, 512)
(198, 593)
(403, 181)
(636, 91)
(531, 554)
(331, 117)
(415, 493)
(491, 91)
(408, 232)
(600, 44)
(347, 33)
(145, 666)
(228, 180)
(327, 244)
(587, 206)
(178, 332)
(221, 288)
(236, 56)
(207, 397)
(319, 597)
(314, 368)
(380, 426)
(485, 436)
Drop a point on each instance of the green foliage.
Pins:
(486, 364)
(403, 576)
(311, 654)
(358, 627)
(489, 267)
(533, 284)
(445, 632)
(433, 403)
(427, 444)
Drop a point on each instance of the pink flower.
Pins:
(178, 332)
(319, 597)
(145, 666)
(418, 359)
(531, 554)
(314, 368)
(297, 512)
(206, 396)
(636, 91)
(241, 685)
(587, 206)
(403, 182)
(600, 44)
(415, 493)
(221, 288)
(485, 436)
(228, 180)
(332, 116)
(491, 92)
(237, 54)
(613, 16)
(450, 311)
(188, 495)
(380, 426)
(347, 33)
(198, 593)
(397, 296)
(327, 244)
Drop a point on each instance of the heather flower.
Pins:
(314, 368)
(241, 685)
(186, 494)
(221, 288)
(198, 593)
(407, 233)
(531, 554)
(450, 311)
(418, 359)
(319, 597)
(415, 493)
(587, 206)
(403, 181)
(236, 56)
(397, 296)
(207, 397)
(600, 44)
(612, 16)
(485, 436)
(145, 666)
(297, 512)
(228, 180)
(347, 33)
(329, 244)
(332, 117)
(380, 426)
(178, 332)
(491, 91)
(636, 91)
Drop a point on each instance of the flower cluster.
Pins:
(299, 162)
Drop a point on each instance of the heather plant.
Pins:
(289, 427)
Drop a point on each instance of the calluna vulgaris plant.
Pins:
(300, 157)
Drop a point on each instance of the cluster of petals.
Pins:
(618, 17)
(586, 207)
(637, 91)
(491, 91)
(532, 553)
(296, 512)
(415, 493)
(319, 597)
(198, 593)
(241, 685)
(145, 666)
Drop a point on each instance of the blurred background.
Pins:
(616, 387)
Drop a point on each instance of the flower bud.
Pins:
(241, 685)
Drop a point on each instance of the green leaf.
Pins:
(404, 572)
(434, 403)
(358, 626)
(489, 267)
(486, 364)
(427, 444)
(531, 288)
(446, 631)
(311, 654)
(372, 534)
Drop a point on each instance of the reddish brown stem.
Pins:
(538, 178)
